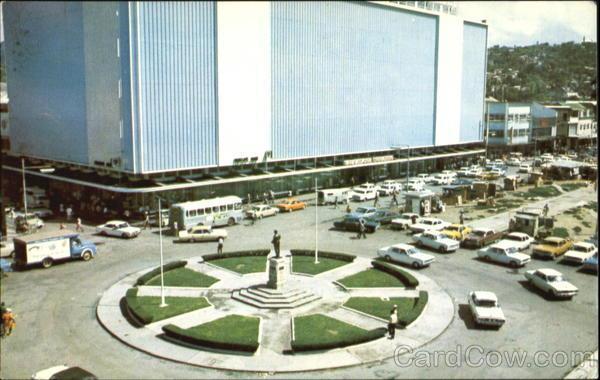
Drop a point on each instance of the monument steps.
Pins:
(243, 296)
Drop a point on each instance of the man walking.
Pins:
(462, 217)
(395, 198)
(79, 226)
(335, 202)
(276, 243)
(393, 320)
(220, 246)
(362, 229)
(376, 202)
(546, 209)
(8, 321)
(146, 220)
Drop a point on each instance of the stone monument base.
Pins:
(279, 269)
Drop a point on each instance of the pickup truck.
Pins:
(481, 237)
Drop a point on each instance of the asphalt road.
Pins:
(56, 320)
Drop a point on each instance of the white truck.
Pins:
(49, 247)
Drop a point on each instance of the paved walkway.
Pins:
(557, 205)
(275, 328)
(588, 369)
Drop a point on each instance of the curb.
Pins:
(587, 369)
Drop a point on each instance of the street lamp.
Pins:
(162, 279)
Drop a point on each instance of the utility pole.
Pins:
(162, 278)
(316, 222)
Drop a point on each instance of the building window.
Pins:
(496, 117)
(496, 133)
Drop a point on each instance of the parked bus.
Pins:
(330, 196)
(210, 212)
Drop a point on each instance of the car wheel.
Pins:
(416, 265)
(86, 255)
(47, 262)
(513, 264)
(103, 233)
(230, 222)
(419, 243)
(443, 249)
(124, 235)
(550, 293)
(487, 258)
(388, 258)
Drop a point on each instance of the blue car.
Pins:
(591, 264)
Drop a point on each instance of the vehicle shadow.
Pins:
(568, 263)
(464, 313)
(510, 269)
(548, 297)
(588, 271)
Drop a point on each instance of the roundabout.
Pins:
(283, 317)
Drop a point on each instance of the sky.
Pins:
(525, 22)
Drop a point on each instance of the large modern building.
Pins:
(192, 98)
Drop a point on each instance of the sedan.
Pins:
(63, 372)
(504, 253)
(580, 252)
(352, 223)
(405, 254)
(436, 240)
(290, 205)
(426, 224)
(521, 240)
(551, 282)
(260, 211)
(485, 309)
(591, 264)
(202, 233)
(404, 221)
(384, 216)
(118, 228)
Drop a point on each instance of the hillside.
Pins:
(542, 72)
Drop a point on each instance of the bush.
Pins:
(413, 314)
(197, 335)
(407, 279)
(155, 272)
(329, 255)
(216, 256)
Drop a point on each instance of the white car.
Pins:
(202, 233)
(498, 163)
(404, 221)
(118, 228)
(474, 171)
(485, 309)
(63, 372)
(497, 171)
(436, 240)
(463, 172)
(513, 162)
(260, 211)
(41, 212)
(389, 187)
(504, 252)
(580, 252)
(450, 173)
(426, 178)
(552, 282)
(427, 224)
(442, 179)
(415, 185)
(405, 254)
(361, 195)
(525, 168)
(521, 240)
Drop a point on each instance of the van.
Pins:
(331, 196)
(49, 247)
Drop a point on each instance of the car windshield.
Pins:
(122, 225)
(485, 303)
(513, 237)
(411, 251)
(453, 228)
(551, 243)
(479, 233)
(511, 250)
(427, 222)
(405, 216)
(555, 278)
(581, 248)
(361, 210)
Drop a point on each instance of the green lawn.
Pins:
(379, 308)
(243, 265)
(306, 264)
(184, 277)
(320, 330)
(542, 192)
(371, 278)
(149, 309)
(570, 186)
(232, 329)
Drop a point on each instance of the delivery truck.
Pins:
(52, 246)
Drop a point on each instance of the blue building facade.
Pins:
(143, 87)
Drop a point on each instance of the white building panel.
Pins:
(449, 80)
(244, 79)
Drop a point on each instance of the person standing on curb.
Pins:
(276, 241)
(393, 321)
(78, 226)
(220, 246)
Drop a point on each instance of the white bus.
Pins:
(209, 212)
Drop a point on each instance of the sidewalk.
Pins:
(588, 369)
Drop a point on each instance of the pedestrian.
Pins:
(335, 201)
(413, 218)
(462, 217)
(276, 241)
(175, 229)
(61, 209)
(78, 226)
(146, 220)
(249, 199)
(394, 198)
(126, 214)
(362, 229)
(220, 245)
(12, 213)
(69, 212)
(2, 311)
(271, 196)
(546, 209)
(348, 208)
(62, 226)
(266, 197)
(8, 321)
(392, 322)
(376, 202)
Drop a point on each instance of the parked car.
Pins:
(497, 171)
(504, 252)
(290, 205)
(364, 212)
(389, 187)
(462, 172)
(521, 240)
(551, 247)
(118, 228)
(63, 372)
(552, 282)
(580, 252)
(428, 224)
(404, 221)
(41, 212)
(457, 231)
(361, 195)
(32, 222)
(449, 173)
(474, 171)
(384, 217)
(513, 162)
(485, 309)
(260, 211)
(202, 233)
(425, 178)
(405, 254)
(525, 168)
(462, 181)
(415, 185)
(436, 240)
(591, 264)
(498, 163)
(352, 223)
(442, 179)
(481, 237)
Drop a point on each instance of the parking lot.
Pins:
(56, 320)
